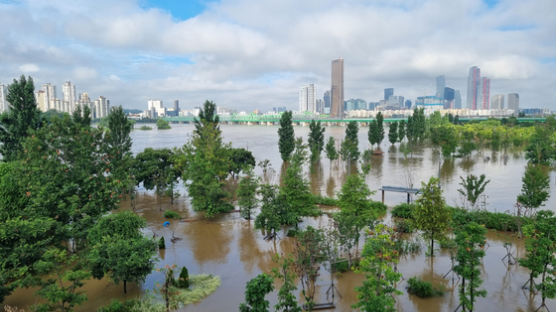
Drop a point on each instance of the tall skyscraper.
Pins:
(307, 99)
(448, 95)
(497, 102)
(388, 92)
(176, 106)
(513, 102)
(440, 85)
(484, 93)
(3, 103)
(42, 103)
(50, 95)
(457, 99)
(337, 89)
(326, 99)
(68, 91)
(473, 81)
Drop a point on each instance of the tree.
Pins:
(287, 301)
(183, 280)
(247, 194)
(540, 244)
(376, 130)
(445, 136)
(393, 133)
(255, 291)
(350, 149)
(542, 146)
(473, 187)
(205, 164)
(316, 139)
(356, 210)
(22, 117)
(535, 189)
(240, 159)
(286, 142)
(268, 219)
(470, 242)
(309, 253)
(401, 130)
(119, 249)
(162, 124)
(430, 214)
(155, 169)
(60, 286)
(467, 145)
(379, 257)
(330, 148)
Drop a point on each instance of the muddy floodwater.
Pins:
(231, 248)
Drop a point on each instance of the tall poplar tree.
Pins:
(316, 139)
(350, 145)
(286, 143)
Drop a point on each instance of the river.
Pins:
(229, 247)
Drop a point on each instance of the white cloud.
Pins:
(228, 52)
(29, 68)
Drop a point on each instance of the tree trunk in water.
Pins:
(432, 247)
(125, 287)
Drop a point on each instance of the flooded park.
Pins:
(230, 247)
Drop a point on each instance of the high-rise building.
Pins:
(85, 101)
(3, 103)
(157, 107)
(448, 96)
(50, 95)
(68, 91)
(473, 80)
(440, 85)
(388, 92)
(319, 106)
(102, 107)
(513, 102)
(337, 89)
(303, 103)
(497, 102)
(457, 99)
(307, 99)
(407, 104)
(176, 106)
(326, 99)
(42, 102)
(484, 93)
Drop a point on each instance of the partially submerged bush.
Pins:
(422, 289)
(403, 226)
(170, 214)
(183, 279)
(404, 211)
(161, 243)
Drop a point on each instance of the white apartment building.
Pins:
(307, 99)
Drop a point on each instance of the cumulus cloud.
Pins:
(251, 54)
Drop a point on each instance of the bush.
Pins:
(341, 266)
(291, 233)
(325, 201)
(404, 211)
(145, 128)
(378, 206)
(162, 124)
(448, 244)
(422, 289)
(491, 220)
(118, 306)
(183, 279)
(171, 214)
(403, 226)
(161, 243)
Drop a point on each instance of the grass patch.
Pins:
(145, 128)
(422, 289)
(170, 214)
(325, 201)
(200, 286)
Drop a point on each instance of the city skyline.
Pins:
(134, 50)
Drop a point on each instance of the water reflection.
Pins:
(210, 240)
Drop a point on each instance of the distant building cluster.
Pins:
(47, 99)
(155, 109)
(445, 97)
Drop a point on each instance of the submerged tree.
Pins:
(430, 213)
(378, 260)
(401, 130)
(255, 292)
(309, 253)
(330, 148)
(285, 272)
(535, 188)
(247, 194)
(316, 139)
(350, 148)
(470, 242)
(473, 187)
(286, 142)
(268, 219)
(155, 169)
(393, 133)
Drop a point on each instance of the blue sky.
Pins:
(249, 54)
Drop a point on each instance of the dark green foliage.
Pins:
(205, 164)
(247, 194)
(255, 291)
(161, 243)
(491, 220)
(540, 244)
(401, 130)
(269, 218)
(286, 274)
(183, 279)
(170, 214)
(119, 249)
(119, 144)
(467, 143)
(325, 201)
(341, 266)
(422, 289)
(240, 160)
(393, 133)
(162, 124)
(473, 187)
(22, 117)
(316, 139)
(416, 126)
(331, 152)
(535, 189)
(430, 214)
(445, 136)
(403, 211)
(155, 169)
(144, 127)
(350, 145)
(286, 143)
(309, 255)
(403, 226)
(541, 148)
(376, 130)
(118, 306)
(470, 240)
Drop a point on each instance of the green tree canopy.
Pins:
(535, 189)
(316, 139)
(393, 133)
(350, 145)
(286, 142)
(255, 292)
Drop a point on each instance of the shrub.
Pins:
(448, 243)
(325, 201)
(404, 211)
(118, 306)
(162, 124)
(145, 128)
(341, 266)
(403, 226)
(422, 289)
(491, 220)
(378, 206)
(291, 233)
(161, 243)
(171, 214)
(183, 279)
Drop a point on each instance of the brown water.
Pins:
(230, 247)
